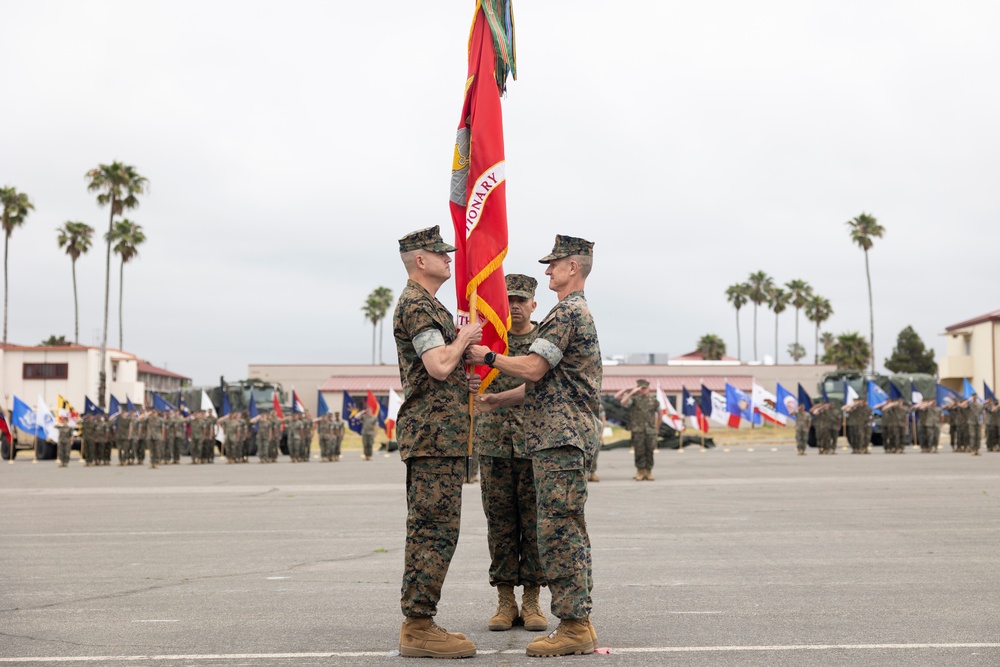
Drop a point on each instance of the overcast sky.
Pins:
(288, 145)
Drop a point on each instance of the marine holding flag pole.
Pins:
(478, 199)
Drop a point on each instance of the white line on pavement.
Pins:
(359, 654)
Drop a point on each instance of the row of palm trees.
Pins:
(761, 289)
(118, 186)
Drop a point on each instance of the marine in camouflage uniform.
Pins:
(66, 433)
(859, 426)
(138, 437)
(433, 432)
(369, 423)
(973, 430)
(991, 417)
(337, 430)
(803, 421)
(87, 439)
(121, 439)
(324, 429)
(508, 483)
(821, 414)
(929, 426)
(643, 423)
(562, 432)
(155, 435)
(103, 439)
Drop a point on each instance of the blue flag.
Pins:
(350, 414)
(946, 396)
(130, 406)
(225, 404)
(967, 389)
(987, 392)
(785, 403)
(706, 401)
(181, 405)
(738, 403)
(160, 404)
(90, 408)
(321, 407)
(23, 418)
(876, 396)
(115, 408)
(804, 399)
(689, 407)
(894, 393)
(253, 411)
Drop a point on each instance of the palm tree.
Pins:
(800, 292)
(826, 339)
(127, 237)
(737, 296)
(712, 347)
(120, 186)
(864, 228)
(15, 209)
(373, 312)
(849, 351)
(778, 300)
(759, 284)
(384, 297)
(796, 352)
(818, 310)
(75, 237)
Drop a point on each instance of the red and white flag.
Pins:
(668, 415)
(395, 402)
(766, 405)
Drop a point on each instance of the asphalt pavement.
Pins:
(734, 556)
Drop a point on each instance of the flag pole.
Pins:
(469, 368)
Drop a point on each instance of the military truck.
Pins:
(833, 383)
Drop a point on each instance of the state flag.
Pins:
(691, 408)
(876, 397)
(668, 415)
(351, 414)
(297, 405)
(738, 405)
(719, 413)
(787, 404)
(765, 405)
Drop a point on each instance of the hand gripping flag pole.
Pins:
(478, 200)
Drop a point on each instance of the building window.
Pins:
(968, 347)
(45, 371)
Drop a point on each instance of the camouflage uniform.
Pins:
(368, 425)
(324, 427)
(991, 416)
(121, 439)
(859, 427)
(433, 432)
(87, 440)
(563, 430)
(102, 437)
(929, 424)
(974, 435)
(956, 427)
(508, 483)
(803, 420)
(643, 423)
(66, 433)
(337, 430)
(155, 435)
(821, 427)
(138, 438)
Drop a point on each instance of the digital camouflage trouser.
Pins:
(563, 543)
(510, 502)
(644, 443)
(433, 517)
(367, 443)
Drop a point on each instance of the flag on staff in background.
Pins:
(90, 408)
(182, 406)
(130, 406)
(915, 396)
(297, 405)
(786, 404)
(946, 396)
(351, 414)
(691, 408)
(45, 421)
(321, 407)
(765, 405)
(23, 417)
(876, 397)
(967, 389)
(252, 410)
(987, 392)
(738, 405)
(391, 413)
(65, 410)
(371, 404)
(894, 393)
(719, 413)
(668, 415)
(115, 408)
(478, 199)
(804, 399)
(849, 394)
(277, 409)
(162, 405)
(4, 428)
(225, 404)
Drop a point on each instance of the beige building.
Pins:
(971, 353)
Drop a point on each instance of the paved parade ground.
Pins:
(752, 556)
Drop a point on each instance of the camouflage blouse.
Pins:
(562, 408)
(501, 433)
(434, 417)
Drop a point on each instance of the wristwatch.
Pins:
(489, 358)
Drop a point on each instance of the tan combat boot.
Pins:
(593, 477)
(572, 637)
(506, 609)
(421, 637)
(531, 611)
(638, 474)
(649, 475)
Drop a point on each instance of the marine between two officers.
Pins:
(538, 431)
